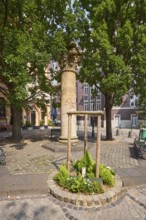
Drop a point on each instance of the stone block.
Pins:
(67, 197)
(81, 200)
(73, 199)
(108, 196)
(96, 200)
(60, 195)
(103, 199)
(117, 190)
(89, 200)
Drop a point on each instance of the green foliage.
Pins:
(112, 34)
(77, 184)
(28, 124)
(107, 175)
(61, 176)
(42, 122)
(87, 162)
(50, 123)
(28, 30)
(80, 184)
(142, 125)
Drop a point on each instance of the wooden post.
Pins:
(69, 142)
(98, 147)
(85, 132)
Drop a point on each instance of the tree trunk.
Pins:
(108, 109)
(16, 128)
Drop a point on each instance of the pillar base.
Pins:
(65, 139)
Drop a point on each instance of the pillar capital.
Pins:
(71, 59)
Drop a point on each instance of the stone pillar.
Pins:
(68, 91)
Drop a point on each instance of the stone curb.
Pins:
(86, 200)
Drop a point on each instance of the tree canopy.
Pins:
(28, 39)
(112, 34)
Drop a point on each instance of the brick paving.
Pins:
(30, 158)
(130, 206)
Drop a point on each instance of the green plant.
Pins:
(107, 175)
(50, 122)
(87, 162)
(73, 184)
(42, 123)
(84, 185)
(142, 125)
(62, 176)
(28, 124)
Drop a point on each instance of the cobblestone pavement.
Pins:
(30, 157)
(130, 206)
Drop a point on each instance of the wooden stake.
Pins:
(98, 147)
(69, 142)
(85, 132)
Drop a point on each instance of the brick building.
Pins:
(123, 116)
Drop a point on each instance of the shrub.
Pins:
(73, 184)
(107, 175)
(80, 184)
(42, 123)
(141, 125)
(28, 124)
(50, 123)
(76, 184)
(87, 162)
(61, 176)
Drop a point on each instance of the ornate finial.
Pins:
(71, 59)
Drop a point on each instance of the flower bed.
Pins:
(88, 184)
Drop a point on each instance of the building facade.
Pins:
(123, 116)
(87, 102)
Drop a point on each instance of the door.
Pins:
(33, 117)
(117, 121)
(134, 120)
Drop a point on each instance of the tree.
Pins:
(27, 29)
(112, 34)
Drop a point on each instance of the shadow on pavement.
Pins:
(58, 162)
(133, 153)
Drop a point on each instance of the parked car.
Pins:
(140, 143)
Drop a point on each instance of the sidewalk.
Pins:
(12, 185)
(28, 165)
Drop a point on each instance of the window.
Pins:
(2, 107)
(133, 100)
(85, 97)
(95, 93)
(91, 106)
(99, 94)
(98, 105)
(86, 89)
(86, 105)
(134, 120)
